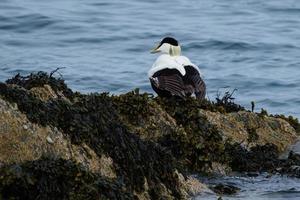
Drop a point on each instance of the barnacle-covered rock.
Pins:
(251, 129)
(22, 140)
(131, 145)
(91, 123)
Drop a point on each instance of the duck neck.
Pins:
(174, 50)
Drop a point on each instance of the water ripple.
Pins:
(252, 46)
(26, 23)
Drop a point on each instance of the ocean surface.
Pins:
(250, 45)
(263, 187)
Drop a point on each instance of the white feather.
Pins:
(166, 61)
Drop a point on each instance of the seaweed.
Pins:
(258, 158)
(92, 119)
(98, 121)
(225, 189)
(202, 144)
(39, 79)
(133, 105)
(49, 178)
(227, 102)
(252, 135)
(263, 113)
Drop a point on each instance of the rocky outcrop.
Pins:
(127, 146)
(21, 141)
(251, 129)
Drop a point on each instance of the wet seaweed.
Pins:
(258, 158)
(57, 179)
(263, 113)
(252, 135)
(133, 105)
(227, 102)
(202, 144)
(95, 120)
(291, 165)
(225, 189)
(92, 119)
(39, 79)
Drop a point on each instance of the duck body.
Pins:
(175, 75)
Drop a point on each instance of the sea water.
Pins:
(250, 45)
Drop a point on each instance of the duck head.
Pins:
(168, 45)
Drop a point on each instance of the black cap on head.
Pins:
(169, 40)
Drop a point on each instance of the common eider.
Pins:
(173, 74)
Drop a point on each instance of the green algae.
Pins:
(49, 178)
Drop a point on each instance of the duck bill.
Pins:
(155, 50)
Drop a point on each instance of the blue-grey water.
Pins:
(251, 45)
(263, 187)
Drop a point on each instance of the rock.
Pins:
(44, 93)
(133, 145)
(257, 159)
(195, 187)
(24, 146)
(56, 178)
(219, 169)
(147, 119)
(183, 127)
(293, 171)
(224, 189)
(49, 140)
(191, 186)
(294, 149)
(90, 133)
(239, 126)
(254, 174)
(291, 165)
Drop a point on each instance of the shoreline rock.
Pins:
(133, 145)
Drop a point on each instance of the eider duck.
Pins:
(173, 74)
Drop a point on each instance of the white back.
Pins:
(166, 61)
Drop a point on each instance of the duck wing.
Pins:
(168, 82)
(193, 79)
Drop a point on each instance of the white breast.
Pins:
(166, 61)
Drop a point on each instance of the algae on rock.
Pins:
(133, 144)
(48, 178)
(92, 120)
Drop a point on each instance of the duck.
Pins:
(173, 74)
